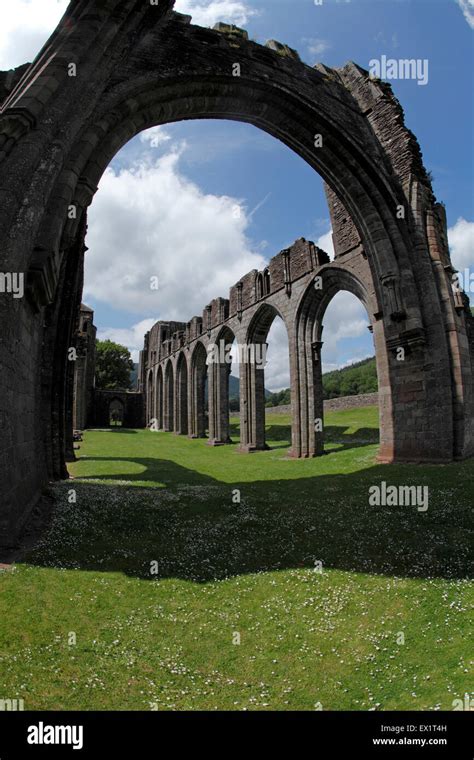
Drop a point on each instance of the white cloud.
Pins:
(467, 7)
(316, 46)
(277, 371)
(325, 242)
(209, 12)
(132, 337)
(25, 25)
(155, 136)
(461, 243)
(149, 221)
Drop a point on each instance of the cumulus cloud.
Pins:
(155, 136)
(25, 25)
(132, 337)
(316, 46)
(461, 243)
(159, 245)
(467, 7)
(209, 12)
(277, 371)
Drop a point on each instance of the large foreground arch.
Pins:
(114, 68)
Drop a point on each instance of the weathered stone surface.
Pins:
(138, 66)
(84, 369)
(231, 29)
(131, 403)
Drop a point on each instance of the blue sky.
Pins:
(195, 173)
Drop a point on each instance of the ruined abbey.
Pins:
(137, 65)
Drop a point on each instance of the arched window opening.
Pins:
(345, 352)
(116, 413)
(182, 395)
(199, 393)
(252, 378)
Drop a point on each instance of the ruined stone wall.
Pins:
(84, 369)
(133, 403)
(287, 267)
(342, 403)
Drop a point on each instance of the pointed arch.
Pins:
(197, 395)
(307, 393)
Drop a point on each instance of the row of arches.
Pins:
(188, 392)
(170, 396)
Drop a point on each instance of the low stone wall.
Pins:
(334, 404)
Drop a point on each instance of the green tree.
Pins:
(113, 366)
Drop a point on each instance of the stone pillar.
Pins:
(197, 406)
(79, 411)
(149, 408)
(307, 401)
(252, 405)
(181, 397)
(169, 401)
(159, 400)
(316, 418)
(218, 380)
(454, 316)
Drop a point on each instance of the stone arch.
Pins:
(307, 394)
(168, 397)
(181, 395)
(197, 391)
(219, 369)
(252, 377)
(356, 175)
(150, 67)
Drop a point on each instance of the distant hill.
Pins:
(357, 378)
(360, 377)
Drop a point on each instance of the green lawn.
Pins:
(134, 597)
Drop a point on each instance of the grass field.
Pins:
(154, 588)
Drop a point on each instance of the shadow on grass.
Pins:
(332, 434)
(196, 532)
